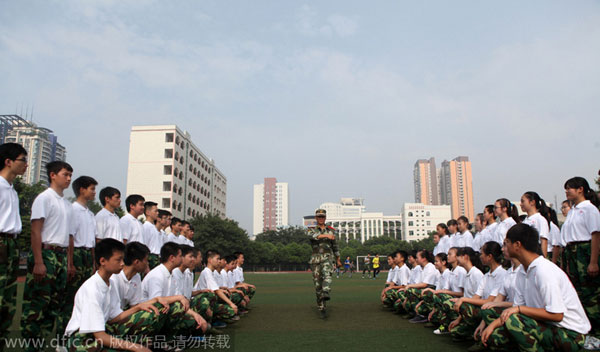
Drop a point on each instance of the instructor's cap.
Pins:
(320, 212)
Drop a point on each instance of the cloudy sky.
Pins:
(337, 98)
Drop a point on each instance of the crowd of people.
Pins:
(519, 282)
(104, 282)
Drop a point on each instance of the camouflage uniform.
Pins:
(413, 297)
(153, 261)
(531, 335)
(444, 309)
(588, 289)
(204, 304)
(400, 297)
(470, 319)
(84, 269)
(427, 306)
(43, 302)
(9, 266)
(321, 262)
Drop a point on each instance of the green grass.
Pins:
(284, 317)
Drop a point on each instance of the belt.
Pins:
(6, 235)
(575, 243)
(53, 247)
(84, 248)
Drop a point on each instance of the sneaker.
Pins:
(419, 319)
(219, 325)
(591, 343)
(441, 331)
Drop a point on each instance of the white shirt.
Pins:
(152, 238)
(188, 283)
(415, 274)
(218, 278)
(83, 226)
(402, 276)
(472, 281)
(132, 229)
(444, 244)
(544, 285)
(129, 291)
(508, 287)
(443, 282)
(491, 283)
(95, 304)
(502, 229)
(230, 279)
(478, 240)
(206, 281)
(464, 239)
(538, 222)
(179, 281)
(457, 280)
(181, 239)
(582, 220)
(238, 273)
(10, 219)
(171, 238)
(554, 237)
(430, 274)
(391, 274)
(158, 283)
(107, 225)
(56, 212)
(487, 234)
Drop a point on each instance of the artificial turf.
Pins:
(284, 317)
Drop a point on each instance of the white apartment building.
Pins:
(166, 167)
(420, 219)
(271, 206)
(40, 143)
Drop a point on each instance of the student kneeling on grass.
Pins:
(97, 308)
(547, 313)
(225, 310)
(429, 278)
(389, 295)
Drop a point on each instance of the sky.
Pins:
(337, 98)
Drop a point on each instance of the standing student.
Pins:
(164, 217)
(176, 226)
(347, 263)
(553, 237)
(560, 252)
(464, 238)
(509, 217)
(490, 225)
(50, 261)
(479, 237)
(13, 159)
(547, 314)
(537, 217)
(581, 232)
(131, 227)
(375, 266)
(83, 229)
(107, 221)
(367, 265)
(452, 225)
(444, 244)
(151, 234)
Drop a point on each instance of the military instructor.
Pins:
(324, 249)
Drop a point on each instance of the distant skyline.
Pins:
(336, 98)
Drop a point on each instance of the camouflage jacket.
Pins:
(323, 249)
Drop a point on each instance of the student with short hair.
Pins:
(429, 278)
(176, 226)
(390, 294)
(107, 221)
(204, 301)
(547, 314)
(581, 234)
(225, 309)
(237, 295)
(393, 268)
(97, 308)
(164, 219)
(83, 229)
(50, 262)
(151, 234)
(442, 313)
(249, 289)
(508, 214)
(452, 225)
(537, 217)
(13, 159)
(414, 277)
(131, 227)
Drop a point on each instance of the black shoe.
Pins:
(419, 319)
(325, 296)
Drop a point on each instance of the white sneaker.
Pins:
(440, 332)
(591, 343)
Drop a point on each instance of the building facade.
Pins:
(418, 219)
(166, 167)
(271, 206)
(41, 144)
(456, 185)
(426, 182)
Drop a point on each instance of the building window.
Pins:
(167, 170)
(410, 213)
(411, 233)
(427, 214)
(166, 202)
(166, 186)
(410, 223)
(168, 153)
(169, 137)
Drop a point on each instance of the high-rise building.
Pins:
(166, 167)
(271, 208)
(426, 182)
(456, 187)
(41, 144)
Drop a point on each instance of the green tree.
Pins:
(27, 194)
(223, 235)
(295, 234)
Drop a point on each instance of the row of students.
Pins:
(63, 241)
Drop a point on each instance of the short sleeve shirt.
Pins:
(430, 274)
(56, 212)
(132, 229)
(108, 225)
(10, 218)
(582, 220)
(502, 229)
(402, 277)
(491, 283)
(538, 222)
(472, 281)
(457, 280)
(152, 238)
(83, 226)
(206, 281)
(130, 291)
(158, 283)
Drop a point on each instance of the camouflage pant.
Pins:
(178, 323)
(427, 306)
(531, 335)
(84, 269)
(413, 297)
(445, 313)
(390, 297)
(588, 288)
(136, 329)
(400, 297)
(223, 311)
(43, 301)
(470, 319)
(322, 279)
(204, 304)
(153, 261)
(9, 267)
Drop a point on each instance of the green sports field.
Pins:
(284, 317)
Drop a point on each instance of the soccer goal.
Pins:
(360, 263)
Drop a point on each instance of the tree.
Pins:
(223, 235)
(27, 194)
(295, 234)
